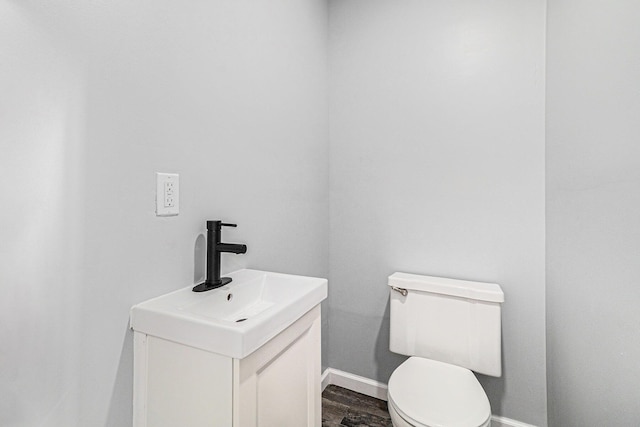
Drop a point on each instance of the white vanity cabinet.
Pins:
(277, 385)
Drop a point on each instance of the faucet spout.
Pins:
(214, 248)
(233, 248)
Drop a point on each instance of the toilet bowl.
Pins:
(427, 393)
(449, 328)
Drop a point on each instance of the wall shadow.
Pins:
(386, 361)
(494, 386)
(199, 259)
(122, 394)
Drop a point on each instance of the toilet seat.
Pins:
(428, 393)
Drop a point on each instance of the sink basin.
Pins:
(233, 320)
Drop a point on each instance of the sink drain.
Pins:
(241, 320)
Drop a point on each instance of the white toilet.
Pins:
(449, 328)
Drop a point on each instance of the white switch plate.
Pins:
(167, 194)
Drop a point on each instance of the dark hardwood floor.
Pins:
(346, 408)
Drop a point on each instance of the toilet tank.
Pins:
(452, 321)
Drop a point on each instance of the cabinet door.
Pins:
(177, 385)
(279, 384)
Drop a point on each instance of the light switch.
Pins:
(167, 194)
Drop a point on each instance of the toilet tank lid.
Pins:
(439, 285)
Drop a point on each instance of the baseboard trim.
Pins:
(378, 390)
(354, 382)
(497, 421)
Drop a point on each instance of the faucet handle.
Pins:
(217, 225)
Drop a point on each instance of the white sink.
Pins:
(233, 320)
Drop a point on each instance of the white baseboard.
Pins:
(379, 391)
(497, 421)
(354, 382)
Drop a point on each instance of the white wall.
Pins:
(437, 167)
(230, 94)
(593, 206)
(41, 110)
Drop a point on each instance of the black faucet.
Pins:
(214, 249)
